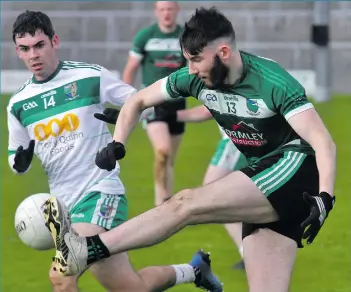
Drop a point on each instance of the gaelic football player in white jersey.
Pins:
(51, 116)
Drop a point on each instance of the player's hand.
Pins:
(106, 157)
(109, 115)
(23, 157)
(320, 206)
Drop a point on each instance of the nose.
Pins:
(34, 53)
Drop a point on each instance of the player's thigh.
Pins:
(175, 143)
(283, 179)
(215, 172)
(159, 136)
(230, 199)
(269, 261)
(260, 193)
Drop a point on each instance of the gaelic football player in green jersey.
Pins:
(53, 114)
(285, 193)
(157, 51)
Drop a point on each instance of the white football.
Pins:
(30, 223)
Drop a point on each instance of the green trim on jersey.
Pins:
(68, 65)
(11, 152)
(279, 173)
(57, 100)
(52, 76)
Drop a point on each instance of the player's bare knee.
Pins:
(162, 155)
(180, 203)
(161, 160)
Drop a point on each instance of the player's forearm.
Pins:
(326, 164)
(129, 76)
(128, 118)
(194, 115)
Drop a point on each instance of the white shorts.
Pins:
(227, 156)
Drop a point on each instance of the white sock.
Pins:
(184, 274)
(241, 251)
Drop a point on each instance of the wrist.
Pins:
(328, 200)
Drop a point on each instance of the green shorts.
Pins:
(227, 156)
(105, 210)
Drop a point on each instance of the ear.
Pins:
(55, 41)
(225, 52)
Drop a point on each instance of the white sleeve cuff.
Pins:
(164, 88)
(136, 55)
(298, 110)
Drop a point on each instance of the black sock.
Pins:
(96, 249)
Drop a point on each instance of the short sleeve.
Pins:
(290, 98)
(139, 42)
(181, 84)
(113, 89)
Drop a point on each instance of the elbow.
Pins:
(328, 146)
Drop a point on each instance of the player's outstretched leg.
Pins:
(204, 278)
(71, 250)
(72, 254)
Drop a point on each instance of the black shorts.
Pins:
(175, 128)
(283, 179)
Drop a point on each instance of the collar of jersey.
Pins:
(52, 76)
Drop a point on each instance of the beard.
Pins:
(218, 74)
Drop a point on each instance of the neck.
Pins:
(236, 68)
(49, 72)
(167, 29)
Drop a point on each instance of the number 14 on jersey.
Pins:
(49, 101)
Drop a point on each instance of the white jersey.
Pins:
(58, 115)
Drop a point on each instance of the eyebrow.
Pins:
(38, 43)
(194, 57)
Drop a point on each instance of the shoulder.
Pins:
(73, 65)
(20, 93)
(271, 72)
(146, 31)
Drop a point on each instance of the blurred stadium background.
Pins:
(102, 32)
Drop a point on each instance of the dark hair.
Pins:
(30, 22)
(205, 26)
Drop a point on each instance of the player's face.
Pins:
(38, 53)
(166, 12)
(209, 67)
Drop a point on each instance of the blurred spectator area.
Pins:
(102, 32)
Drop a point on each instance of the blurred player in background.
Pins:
(156, 50)
(53, 114)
